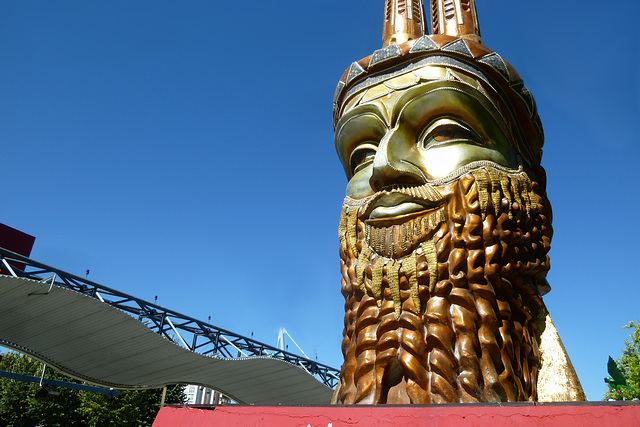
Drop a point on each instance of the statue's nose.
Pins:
(392, 163)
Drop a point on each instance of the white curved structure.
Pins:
(94, 342)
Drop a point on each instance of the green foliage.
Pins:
(629, 365)
(18, 404)
(20, 407)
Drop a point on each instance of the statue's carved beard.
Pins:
(442, 308)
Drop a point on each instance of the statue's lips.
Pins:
(398, 206)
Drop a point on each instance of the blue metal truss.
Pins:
(193, 334)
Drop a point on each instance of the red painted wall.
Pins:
(572, 415)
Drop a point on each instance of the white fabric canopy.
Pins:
(97, 343)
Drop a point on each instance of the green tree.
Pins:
(20, 407)
(629, 365)
(130, 407)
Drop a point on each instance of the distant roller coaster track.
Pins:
(194, 335)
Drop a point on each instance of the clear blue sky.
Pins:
(158, 142)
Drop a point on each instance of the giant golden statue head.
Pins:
(445, 227)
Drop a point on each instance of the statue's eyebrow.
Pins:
(362, 125)
(375, 109)
(411, 101)
(365, 124)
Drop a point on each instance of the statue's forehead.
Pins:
(385, 89)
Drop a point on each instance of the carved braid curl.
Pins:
(460, 329)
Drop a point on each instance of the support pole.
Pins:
(44, 368)
(164, 396)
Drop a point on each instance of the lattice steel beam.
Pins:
(196, 335)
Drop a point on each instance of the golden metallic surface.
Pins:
(429, 251)
(467, 339)
(425, 131)
(455, 18)
(445, 227)
(413, 78)
(557, 379)
(464, 59)
(403, 21)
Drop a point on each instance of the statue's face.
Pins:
(418, 128)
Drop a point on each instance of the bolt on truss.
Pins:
(193, 334)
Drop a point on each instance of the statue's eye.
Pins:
(361, 157)
(444, 131)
